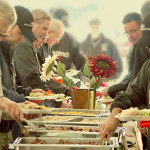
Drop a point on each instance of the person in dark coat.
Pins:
(132, 26)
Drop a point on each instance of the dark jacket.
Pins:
(103, 45)
(7, 82)
(140, 54)
(137, 93)
(8, 71)
(69, 49)
(28, 69)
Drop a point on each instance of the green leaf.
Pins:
(67, 81)
(61, 69)
(50, 68)
(86, 71)
(94, 83)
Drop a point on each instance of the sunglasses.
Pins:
(3, 34)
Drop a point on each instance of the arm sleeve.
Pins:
(14, 96)
(139, 57)
(137, 91)
(23, 90)
(113, 90)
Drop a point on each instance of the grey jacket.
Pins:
(28, 69)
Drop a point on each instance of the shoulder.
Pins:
(23, 47)
(69, 36)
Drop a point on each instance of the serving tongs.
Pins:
(23, 129)
(123, 139)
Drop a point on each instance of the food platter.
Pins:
(37, 111)
(70, 120)
(72, 129)
(55, 96)
(67, 128)
(72, 72)
(106, 99)
(52, 119)
(77, 112)
(62, 99)
(67, 143)
(134, 118)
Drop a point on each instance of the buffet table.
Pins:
(80, 136)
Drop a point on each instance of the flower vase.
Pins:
(83, 98)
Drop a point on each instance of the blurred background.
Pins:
(109, 12)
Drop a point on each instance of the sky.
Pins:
(110, 13)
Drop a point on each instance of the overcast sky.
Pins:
(110, 12)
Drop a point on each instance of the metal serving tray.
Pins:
(73, 129)
(63, 111)
(41, 122)
(37, 111)
(53, 143)
(82, 121)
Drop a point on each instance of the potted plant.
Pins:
(96, 69)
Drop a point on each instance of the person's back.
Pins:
(68, 47)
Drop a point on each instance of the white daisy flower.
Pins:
(48, 67)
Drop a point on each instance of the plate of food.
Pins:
(42, 96)
(72, 72)
(33, 108)
(106, 99)
(63, 99)
(134, 114)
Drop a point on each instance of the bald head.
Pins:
(56, 32)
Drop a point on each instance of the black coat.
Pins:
(140, 54)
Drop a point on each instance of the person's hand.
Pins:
(11, 108)
(108, 127)
(65, 105)
(143, 130)
(105, 92)
(38, 91)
